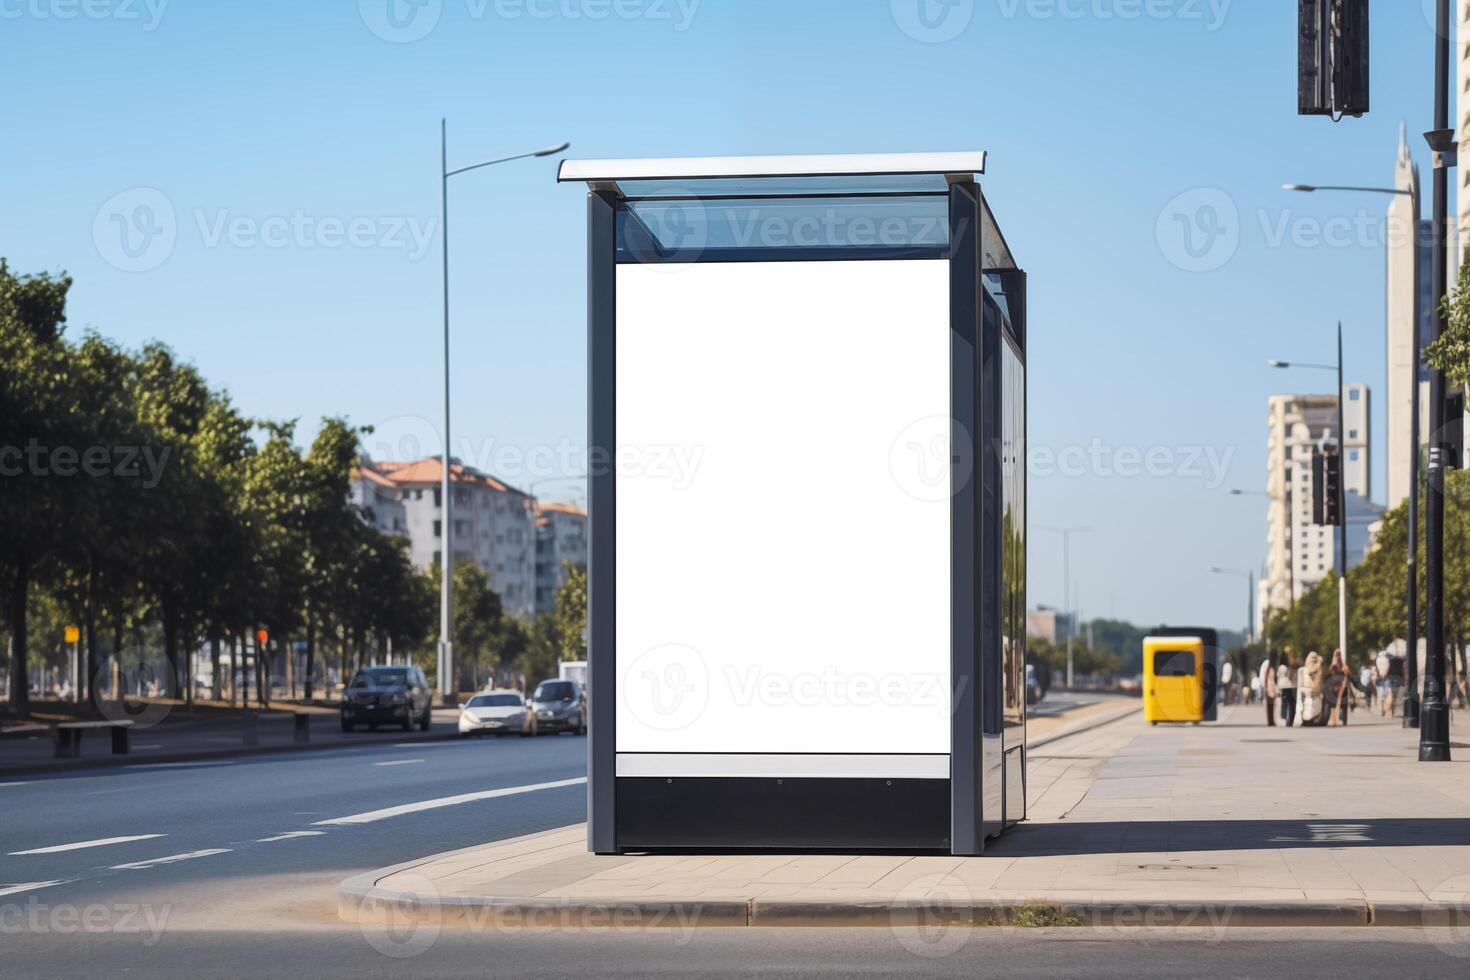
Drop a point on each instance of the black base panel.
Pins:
(655, 813)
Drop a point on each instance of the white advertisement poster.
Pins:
(783, 492)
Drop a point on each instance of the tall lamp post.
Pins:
(1411, 637)
(1066, 533)
(1434, 712)
(1342, 514)
(446, 523)
(1250, 597)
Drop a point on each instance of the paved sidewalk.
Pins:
(1231, 824)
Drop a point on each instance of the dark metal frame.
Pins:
(635, 813)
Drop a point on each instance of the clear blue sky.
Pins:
(1096, 118)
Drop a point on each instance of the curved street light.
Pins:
(446, 523)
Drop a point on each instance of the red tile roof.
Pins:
(430, 472)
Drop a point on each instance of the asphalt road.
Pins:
(228, 869)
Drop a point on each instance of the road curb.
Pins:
(52, 766)
(360, 900)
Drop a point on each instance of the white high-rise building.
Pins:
(1298, 552)
(1408, 291)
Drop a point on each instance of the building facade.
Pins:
(495, 525)
(561, 538)
(1300, 553)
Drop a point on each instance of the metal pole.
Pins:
(1067, 598)
(1434, 718)
(446, 524)
(1342, 516)
(1411, 659)
(1250, 606)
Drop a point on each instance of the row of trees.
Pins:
(140, 504)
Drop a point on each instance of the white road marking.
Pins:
(181, 765)
(169, 859)
(398, 762)
(292, 835)
(426, 745)
(3, 785)
(28, 886)
(79, 845)
(372, 816)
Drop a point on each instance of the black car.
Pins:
(560, 706)
(387, 696)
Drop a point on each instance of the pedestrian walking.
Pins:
(1266, 677)
(1227, 681)
(1338, 691)
(1286, 689)
(1385, 670)
(1309, 684)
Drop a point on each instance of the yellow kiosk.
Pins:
(1180, 675)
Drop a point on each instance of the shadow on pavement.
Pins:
(1153, 836)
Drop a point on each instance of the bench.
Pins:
(69, 736)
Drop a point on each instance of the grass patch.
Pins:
(1040, 917)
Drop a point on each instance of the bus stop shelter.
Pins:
(807, 561)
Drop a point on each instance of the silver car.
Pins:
(497, 713)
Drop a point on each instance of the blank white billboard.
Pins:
(782, 479)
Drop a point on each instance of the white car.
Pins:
(496, 713)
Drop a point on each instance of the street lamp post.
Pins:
(1250, 597)
(1342, 514)
(1411, 636)
(1066, 533)
(1434, 714)
(446, 503)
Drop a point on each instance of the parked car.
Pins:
(387, 696)
(496, 713)
(1034, 691)
(560, 706)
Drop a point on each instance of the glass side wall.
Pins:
(1013, 540)
(705, 229)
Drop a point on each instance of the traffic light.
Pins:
(1327, 486)
(1332, 57)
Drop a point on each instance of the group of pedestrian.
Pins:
(1312, 695)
